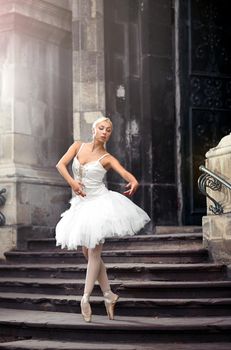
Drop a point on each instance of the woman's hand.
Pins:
(133, 187)
(77, 187)
(132, 182)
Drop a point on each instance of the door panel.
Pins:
(205, 74)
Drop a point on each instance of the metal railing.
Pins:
(214, 182)
(2, 202)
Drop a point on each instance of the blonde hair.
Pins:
(101, 119)
(97, 121)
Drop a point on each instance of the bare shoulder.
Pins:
(111, 157)
(70, 153)
(74, 148)
(76, 145)
(112, 162)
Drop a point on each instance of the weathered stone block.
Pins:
(76, 41)
(8, 236)
(100, 35)
(76, 125)
(90, 36)
(38, 113)
(22, 121)
(76, 96)
(90, 117)
(7, 83)
(25, 150)
(88, 66)
(75, 10)
(23, 214)
(52, 58)
(99, 7)
(89, 96)
(217, 236)
(7, 48)
(40, 204)
(49, 12)
(6, 148)
(6, 124)
(76, 57)
(213, 227)
(83, 9)
(219, 161)
(100, 66)
(23, 194)
(101, 96)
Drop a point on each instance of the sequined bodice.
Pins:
(91, 175)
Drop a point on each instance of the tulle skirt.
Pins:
(89, 221)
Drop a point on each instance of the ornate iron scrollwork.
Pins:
(214, 182)
(204, 181)
(2, 202)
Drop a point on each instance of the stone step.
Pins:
(147, 242)
(46, 344)
(187, 272)
(123, 329)
(125, 307)
(128, 289)
(177, 229)
(183, 255)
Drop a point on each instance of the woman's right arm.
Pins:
(62, 167)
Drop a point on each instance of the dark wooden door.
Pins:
(139, 78)
(205, 85)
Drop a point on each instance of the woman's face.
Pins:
(103, 131)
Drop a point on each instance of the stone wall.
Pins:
(88, 65)
(35, 115)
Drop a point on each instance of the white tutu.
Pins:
(99, 215)
(88, 223)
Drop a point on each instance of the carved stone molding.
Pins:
(38, 19)
(43, 11)
(35, 28)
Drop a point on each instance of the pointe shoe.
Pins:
(86, 308)
(110, 300)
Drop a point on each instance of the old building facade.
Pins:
(159, 68)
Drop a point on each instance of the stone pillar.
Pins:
(35, 115)
(217, 228)
(88, 65)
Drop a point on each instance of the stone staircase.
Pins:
(171, 296)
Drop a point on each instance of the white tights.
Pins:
(96, 270)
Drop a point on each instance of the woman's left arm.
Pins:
(132, 182)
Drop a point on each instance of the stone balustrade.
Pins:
(217, 228)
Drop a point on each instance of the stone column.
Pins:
(88, 65)
(217, 228)
(35, 115)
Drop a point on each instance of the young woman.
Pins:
(96, 213)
